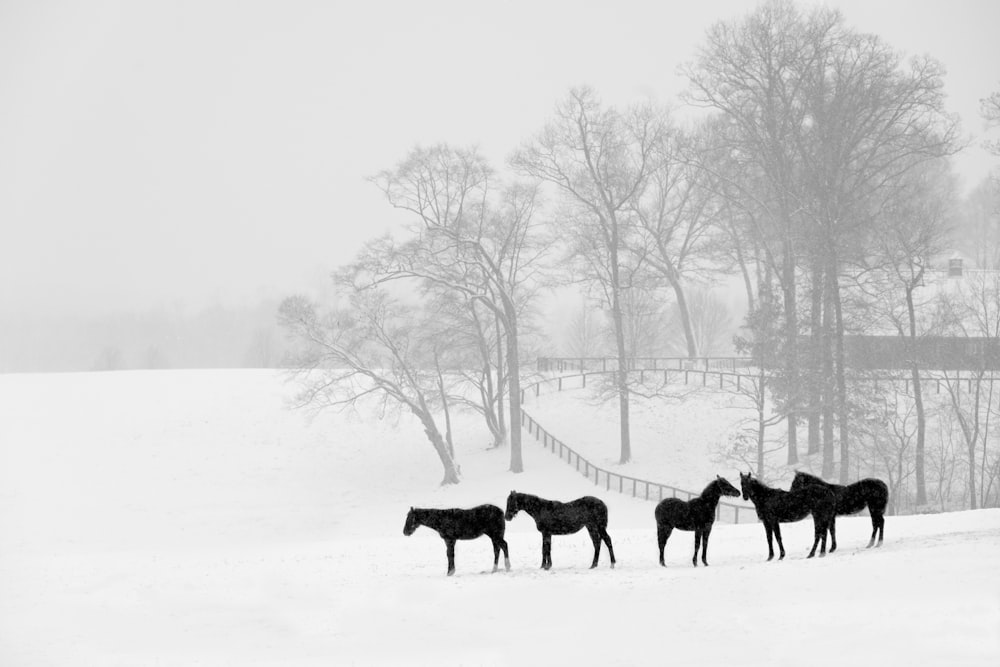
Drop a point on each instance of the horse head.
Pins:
(745, 481)
(725, 487)
(512, 506)
(411, 522)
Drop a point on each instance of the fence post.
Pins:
(737, 513)
(560, 383)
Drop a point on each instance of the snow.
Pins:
(190, 518)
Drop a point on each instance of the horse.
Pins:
(555, 518)
(776, 506)
(462, 524)
(870, 492)
(697, 514)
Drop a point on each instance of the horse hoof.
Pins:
(771, 557)
(451, 572)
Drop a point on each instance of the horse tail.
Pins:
(601, 514)
(878, 498)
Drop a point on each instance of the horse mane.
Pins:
(800, 473)
(709, 486)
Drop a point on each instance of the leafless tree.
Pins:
(468, 234)
(373, 346)
(915, 228)
(600, 160)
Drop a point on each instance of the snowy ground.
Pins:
(188, 518)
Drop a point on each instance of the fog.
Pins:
(180, 167)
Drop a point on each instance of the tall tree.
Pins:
(468, 234)
(915, 229)
(600, 160)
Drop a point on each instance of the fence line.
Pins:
(612, 481)
(670, 367)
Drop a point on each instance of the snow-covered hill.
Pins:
(189, 518)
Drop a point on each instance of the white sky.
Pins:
(155, 153)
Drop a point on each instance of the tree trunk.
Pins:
(514, 382)
(447, 460)
(815, 325)
(826, 346)
(841, 371)
(918, 401)
(682, 307)
(501, 424)
(791, 335)
(761, 401)
(622, 380)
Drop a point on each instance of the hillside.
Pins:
(188, 517)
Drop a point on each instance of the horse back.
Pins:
(871, 493)
(566, 518)
(790, 506)
(468, 524)
(683, 515)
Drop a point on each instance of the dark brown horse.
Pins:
(697, 514)
(777, 506)
(462, 524)
(870, 492)
(555, 518)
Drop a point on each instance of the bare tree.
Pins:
(469, 236)
(972, 310)
(915, 228)
(373, 347)
(830, 118)
(600, 160)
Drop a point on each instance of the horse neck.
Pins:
(529, 503)
(711, 494)
(760, 490)
(427, 517)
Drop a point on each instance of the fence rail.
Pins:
(606, 364)
(612, 481)
(724, 374)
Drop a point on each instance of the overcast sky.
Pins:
(156, 153)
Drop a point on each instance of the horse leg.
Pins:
(506, 554)
(704, 544)
(546, 551)
(450, 547)
(781, 544)
(819, 532)
(662, 535)
(607, 541)
(833, 534)
(595, 537)
(697, 543)
(881, 528)
(496, 554)
(769, 531)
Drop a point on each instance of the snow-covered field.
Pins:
(188, 518)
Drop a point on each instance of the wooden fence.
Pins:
(612, 481)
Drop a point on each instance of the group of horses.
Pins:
(808, 495)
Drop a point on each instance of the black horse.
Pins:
(776, 506)
(697, 514)
(460, 524)
(870, 492)
(555, 518)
